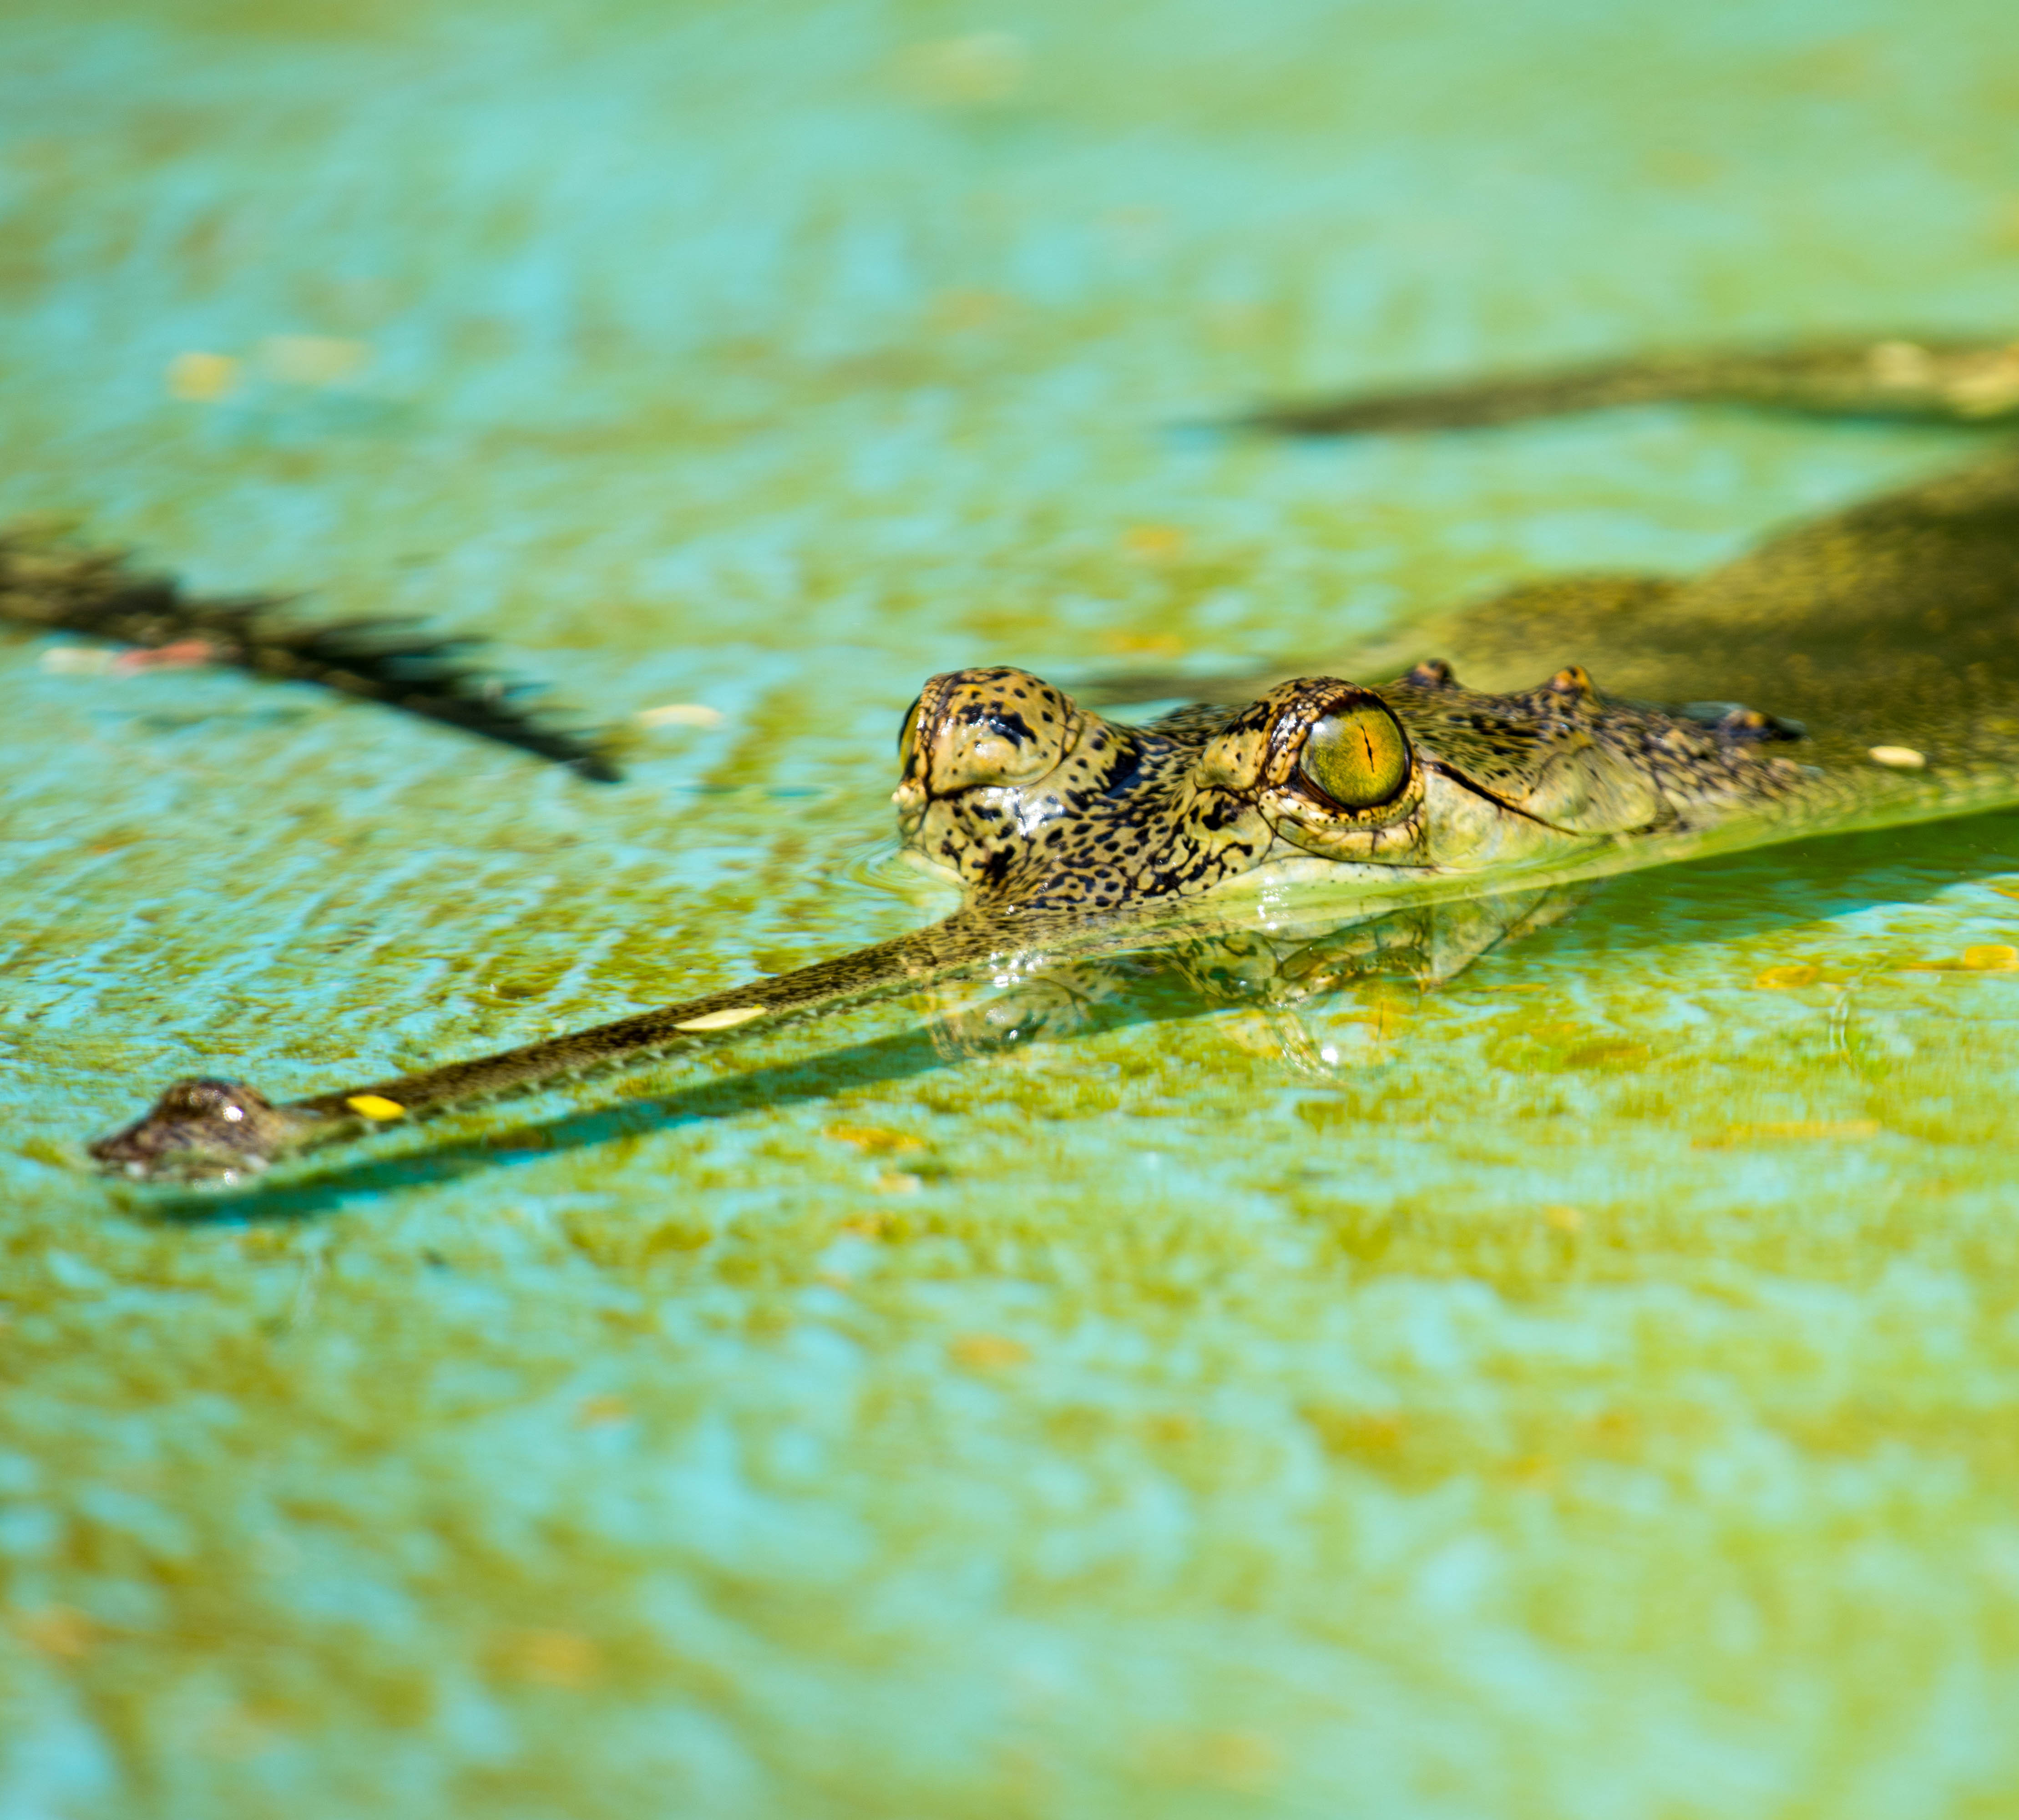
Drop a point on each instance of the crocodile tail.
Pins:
(54, 586)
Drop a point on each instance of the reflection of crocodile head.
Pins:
(1029, 799)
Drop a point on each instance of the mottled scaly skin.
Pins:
(1073, 836)
(1065, 810)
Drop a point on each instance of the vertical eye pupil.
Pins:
(1357, 758)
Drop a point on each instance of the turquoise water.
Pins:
(1588, 1393)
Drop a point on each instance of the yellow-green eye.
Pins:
(1358, 757)
(908, 732)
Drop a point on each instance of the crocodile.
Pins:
(1859, 671)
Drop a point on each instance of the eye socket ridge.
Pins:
(1356, 756)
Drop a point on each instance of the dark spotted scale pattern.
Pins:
(1071, 809)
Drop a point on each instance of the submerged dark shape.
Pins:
(1856, 672)
(50, 586)
(1936, 379)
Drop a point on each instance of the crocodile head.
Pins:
(1027, 799)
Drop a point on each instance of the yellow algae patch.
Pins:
(1989, 391)
(986, 1352)
(1606, 1054)
(1899, 758)
(1901, 363)
(1242, 1762)
(1358, 1433)
(62, 1631)
(1815, 1128)
(1253, 1032)
(553, 1658)
(873, 1139)
(1988, 957)
(1144, 644)
(197, 377)
(1781, 979)
(376, 1106)
(1387, 1019)
(1153, 543)
(1790, 1127)
(723, 1020)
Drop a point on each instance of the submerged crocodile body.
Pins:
(48, 585)
(1860, 671)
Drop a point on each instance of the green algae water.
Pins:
(1583, 1389)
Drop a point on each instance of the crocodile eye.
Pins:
(908, 732)
(1358, 758)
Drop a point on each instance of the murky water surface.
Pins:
(1586, 1389)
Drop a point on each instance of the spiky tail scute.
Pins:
(55, 587)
